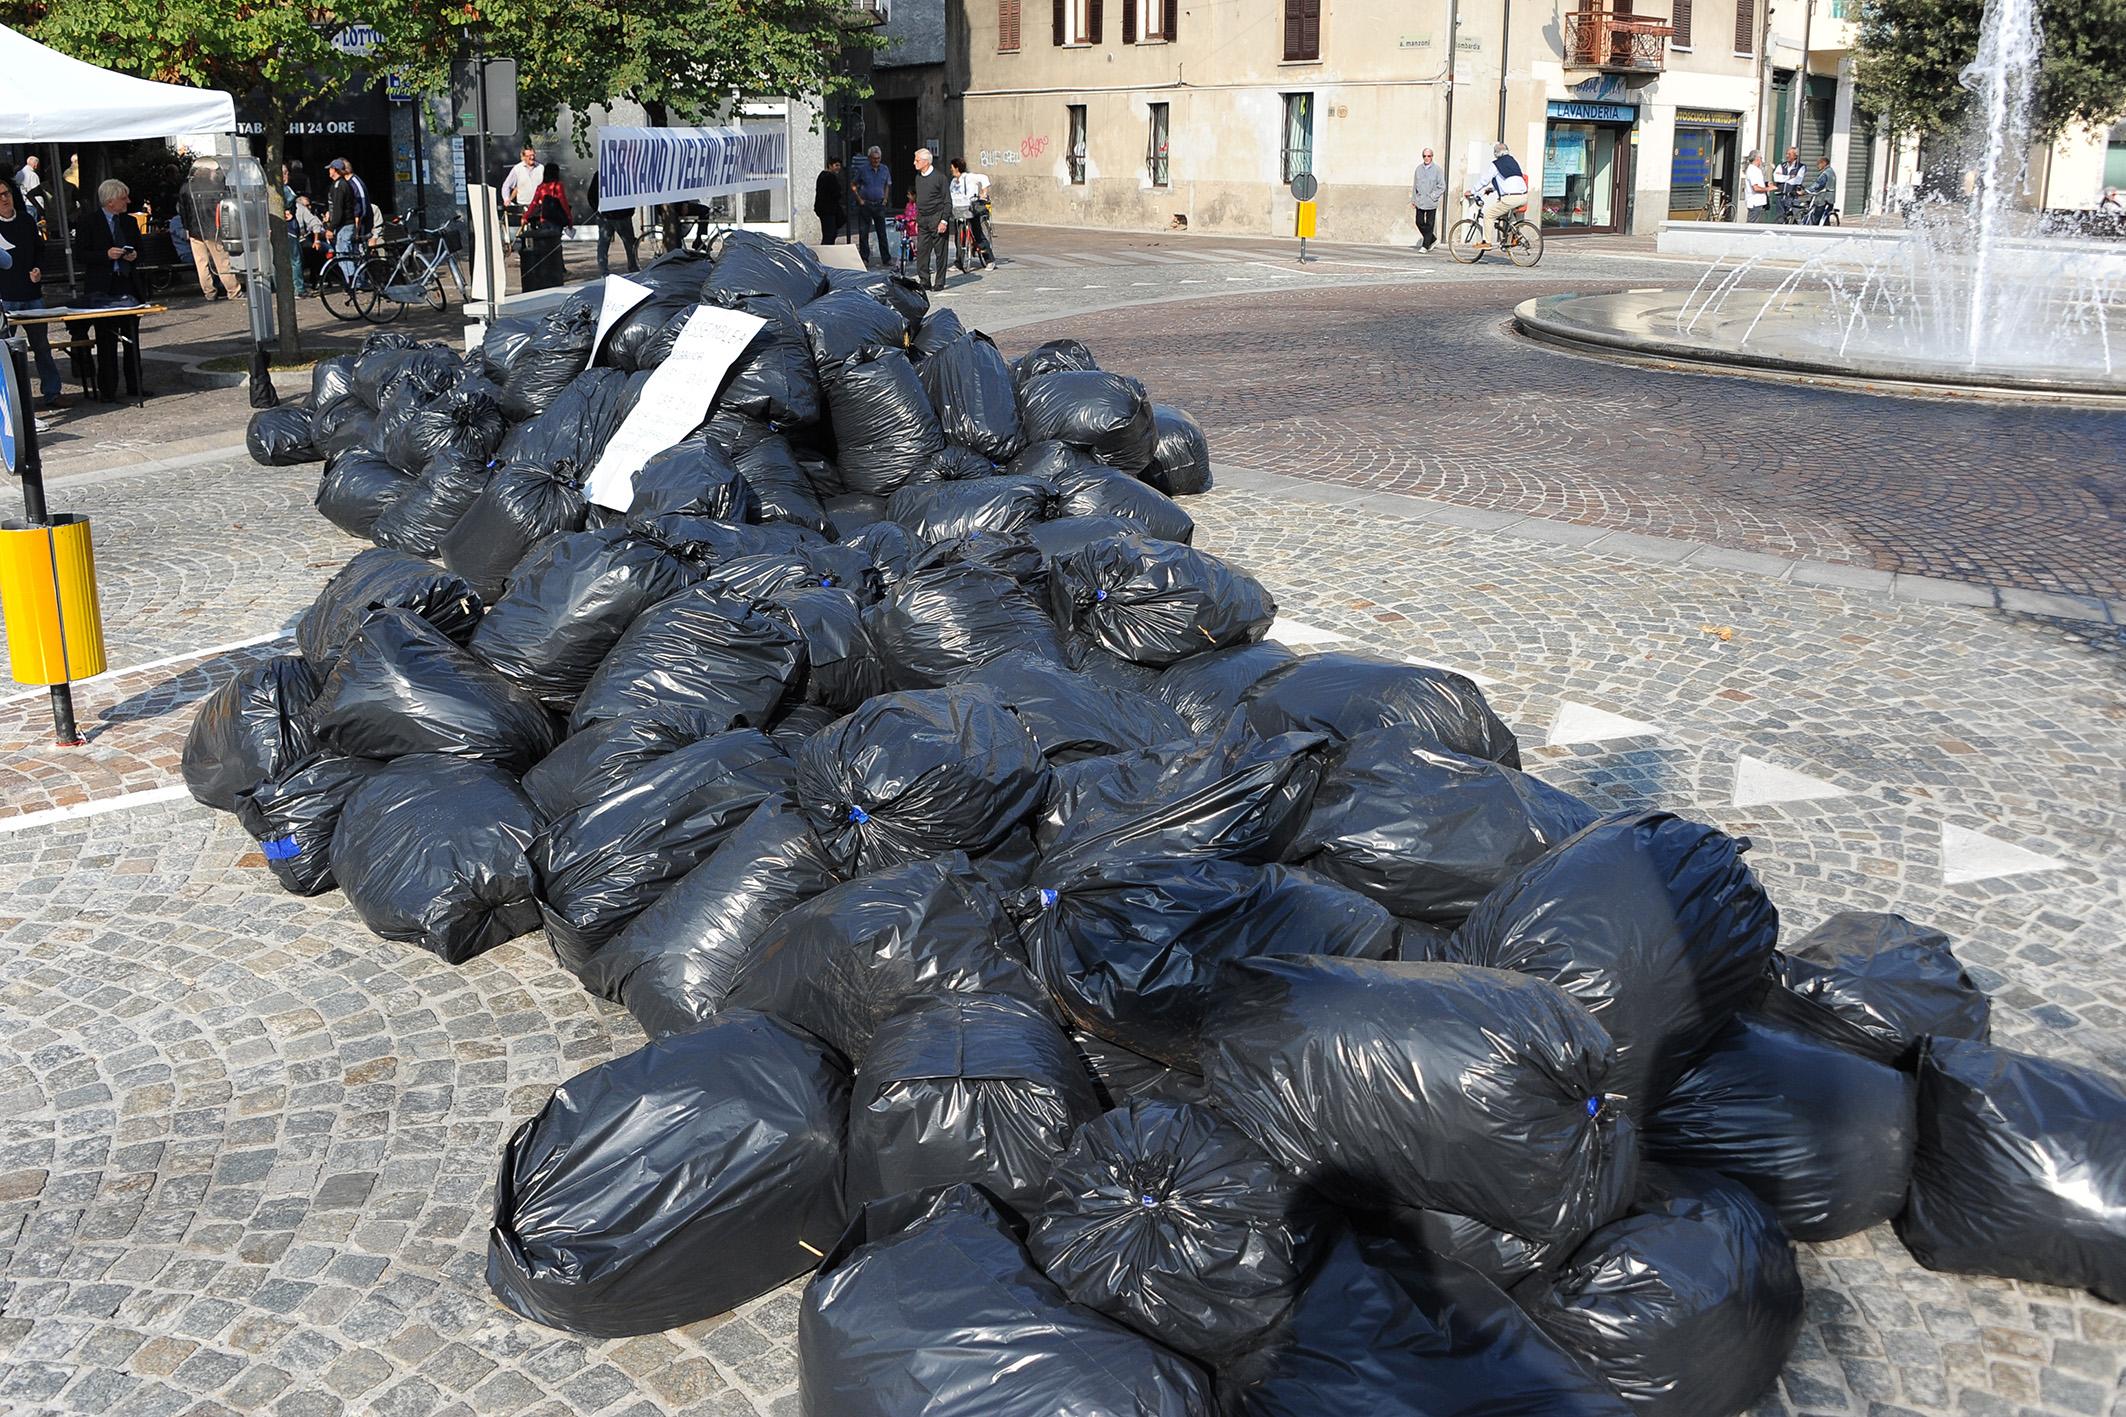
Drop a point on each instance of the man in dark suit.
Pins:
(933, 221)
(106, 249)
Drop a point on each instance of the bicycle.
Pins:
(416, 277)
(964, 246)
(1520, 238)
(348, 297)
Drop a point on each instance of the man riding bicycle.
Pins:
(1504, 190)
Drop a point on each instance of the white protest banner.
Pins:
(621, 296)
(640, 167)
(674, 400)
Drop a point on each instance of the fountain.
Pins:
(1969, 295)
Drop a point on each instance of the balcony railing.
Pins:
(1626, 43)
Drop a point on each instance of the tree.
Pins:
(1911, 53)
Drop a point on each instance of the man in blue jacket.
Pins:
(870, 181)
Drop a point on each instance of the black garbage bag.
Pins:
(560, 350)
(1154, 602)
(444, 492)
(842, 669)
(766, 576)
(1205, 688)
(976, 397)
(840, 964)
(1166, 1218)
(929, 1304)
(506, 341)
(1181, 455)
(964, 1087)
(672, 1184)
(897, 293)
(463, 420)
(1420, 1336)
(1132, 950)
(1687, 1306)
(1011, 552)
(385, 357)
(780, 487)
(415, 390)
(941, 623)
(1499, 1255)
(2020, 1169)
(1231, 795)
(883, 423)
(700, 661)
(331, 380)
(342, 426)
(939, 511)
(249, 729)
(773, 379)
(780, 267)
(593, 762)
(853, 511)
(1822, 1136)
(840, 323)
(1476, 1091)
(892, 548)
(579, 422)
(522, 504)
(1052, 358)
(1096, 491)
(1877, 985)
(911, 775)
(1122, 1077)
(707, 544)
(380, 579)
(400, 688)
(1344, 694)
(1654, 923)
(1070, 716)
(695, 477)
(1427, 833)
(430, 850)
(799, 722)
(280, 437)
(1108, 415)
(293, 814)
(639, 340)
(357, 488)
(957, 464)
(939, 329)
(676, 963)
(604, 863)
(556, 623)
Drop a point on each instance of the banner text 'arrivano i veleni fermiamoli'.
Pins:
(644, 166)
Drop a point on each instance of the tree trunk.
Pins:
(284, 306)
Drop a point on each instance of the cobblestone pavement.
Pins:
(1419, 387)
(247, 1149)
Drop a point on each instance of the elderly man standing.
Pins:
(933, 221)
(106, 249)
(870, 180)
(1427, 191)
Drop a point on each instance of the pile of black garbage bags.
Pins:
(1115, 1012)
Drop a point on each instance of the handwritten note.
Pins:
(674, 401)
(621, 296)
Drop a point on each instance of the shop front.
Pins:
(1702, 175)
(1587, 167)
(354, 124)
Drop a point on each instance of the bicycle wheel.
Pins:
(1527, 246)
(383, 308)
(341, 301)
(1463, 241)
(433, 289)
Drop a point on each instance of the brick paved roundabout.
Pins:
(247, 1149)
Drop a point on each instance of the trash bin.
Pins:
(48, 594)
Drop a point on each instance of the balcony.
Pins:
(865, 14)
(1616, 42)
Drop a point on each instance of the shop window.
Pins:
(1298, 135)
(1077, 21)
(1679, 20)
(1580, 175)
(1745, 26)
(1076, 155)
(1007, 26)
(1302, 29)
(1155, 148)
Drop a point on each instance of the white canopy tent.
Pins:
(52, 97)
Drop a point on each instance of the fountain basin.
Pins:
(1797, 337)
(1868, 245)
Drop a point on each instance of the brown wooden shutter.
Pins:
(1679, 19)
(1007, 25)
(1092, 21)
(1745, 26)
(1302, 29)
(1129, 21)
(1173, 15)
(1061, 38)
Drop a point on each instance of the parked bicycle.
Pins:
(967, 253)
(1520, 238)
(416, 278)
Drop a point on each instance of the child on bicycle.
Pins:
(905, 225)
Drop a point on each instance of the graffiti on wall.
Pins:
(1000, 157)
(1030, 147)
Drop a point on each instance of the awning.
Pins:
(52, 97)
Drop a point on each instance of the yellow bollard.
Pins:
(48, 596)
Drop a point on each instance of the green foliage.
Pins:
(1911, 52)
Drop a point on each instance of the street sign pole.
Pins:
(19, 455)
(1304, 187)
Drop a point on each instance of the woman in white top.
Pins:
(970, 203)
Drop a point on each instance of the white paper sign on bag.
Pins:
(621, 296)
(674, 401)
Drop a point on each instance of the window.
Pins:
(1679, 20)
(1077, 22)
(1155, 148)
(1158, 25)
(1745, 26)
(1007, 26)
(1302, 29)
(1076, 154)
(1298, 134)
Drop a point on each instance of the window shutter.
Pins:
(1129, 20)
(1302, 29)
(1061, 38)
(1679, 20)
(1291, 28)
(1007, 25)
(1173, 14)
(1745, 26)
(1092, 21)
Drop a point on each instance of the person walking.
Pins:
(1787, 178)
(1756, 190)
(347, 218)
(309, 244)
(1427, 190)
(521, 183)
(869, 183)
(547, 219)
(619, 223)
(107, 252)
(28, 179)
(830, 202)
(933, 219)
(22, 284)
(970, 203)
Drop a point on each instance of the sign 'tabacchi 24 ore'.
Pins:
(645, 166)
